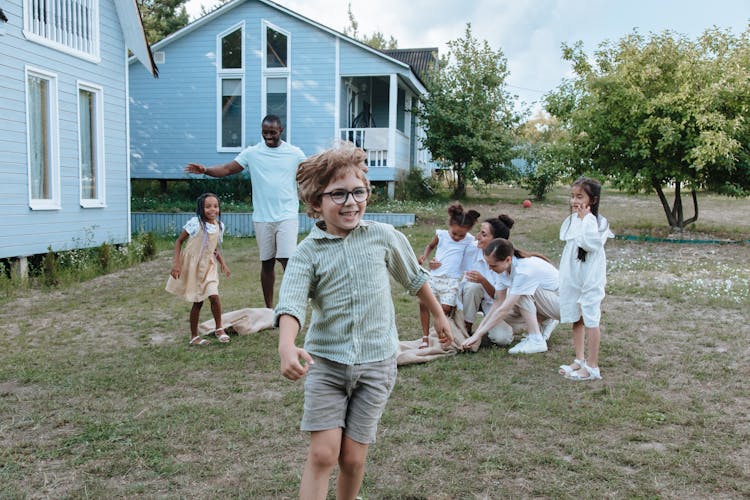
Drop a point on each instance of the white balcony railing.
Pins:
(373, 140)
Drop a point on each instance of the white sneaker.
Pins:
(548, 326)
(529, 346)
(517, 348)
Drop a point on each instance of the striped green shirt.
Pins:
(353, 320)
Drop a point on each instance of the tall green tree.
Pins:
(162, 17)
(662, 111)
(546, 149)
(375, 40)
(468, 116)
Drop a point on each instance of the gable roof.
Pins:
(135, 37)
(422, 61)
(223, 9)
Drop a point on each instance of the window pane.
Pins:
(276, 100)
(231, 113)
(231, 50)
(39, 138)
(400, 109)
(275, 49)
(87, 134)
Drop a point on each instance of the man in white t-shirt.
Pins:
(272, 165)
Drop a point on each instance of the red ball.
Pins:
(526, 203)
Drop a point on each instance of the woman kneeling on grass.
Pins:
(526, 294)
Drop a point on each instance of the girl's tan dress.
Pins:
(199, 277)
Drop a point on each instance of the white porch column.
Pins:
(392, 112)
(337, 93)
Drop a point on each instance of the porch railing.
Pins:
(373, 140)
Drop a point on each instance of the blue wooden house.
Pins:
(223, 72)
(64, 178)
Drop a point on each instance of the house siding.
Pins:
(173, 120)
(31, 232)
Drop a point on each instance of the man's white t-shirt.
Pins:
(273, 173)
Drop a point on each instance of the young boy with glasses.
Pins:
(343, 266)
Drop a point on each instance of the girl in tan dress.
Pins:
(194, 275)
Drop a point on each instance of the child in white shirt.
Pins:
(447, 268)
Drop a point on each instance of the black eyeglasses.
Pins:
(339, 196)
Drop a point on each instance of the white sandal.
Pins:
(591, 373)
(222, 337)
(198, 341)
(566, 370)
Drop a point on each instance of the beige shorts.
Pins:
(276, 240)
(349, 397)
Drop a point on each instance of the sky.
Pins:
(529, 32)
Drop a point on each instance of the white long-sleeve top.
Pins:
(583, 282)
(474, 261)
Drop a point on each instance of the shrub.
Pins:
(105, 255)
(50, 268)
(415, 186)
(234, 192)
(149, 245)
(142, 247)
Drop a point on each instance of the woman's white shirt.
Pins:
(528, 274)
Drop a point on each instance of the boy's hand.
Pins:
(421, 259)
(443, 330)
(291, 367)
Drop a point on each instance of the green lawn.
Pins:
(100, 396)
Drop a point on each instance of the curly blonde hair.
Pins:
(315, 173)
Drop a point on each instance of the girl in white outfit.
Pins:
(583, 274)
(447, 268)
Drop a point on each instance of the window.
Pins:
(71, 26)
(231, 112)
(275, 91)
(401, 109)
(91, 145)
(231, 85)
(276, 49)
(42, 140)
(231, 50)
(276, 99)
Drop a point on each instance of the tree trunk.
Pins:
(675, 214)
(460, 191)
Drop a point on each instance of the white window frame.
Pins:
(51, 35)
(97, 137)
(276, 73)
(53, 138)
(230, 74)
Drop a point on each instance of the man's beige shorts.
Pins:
(276, 240)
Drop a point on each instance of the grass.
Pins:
(101, 397)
